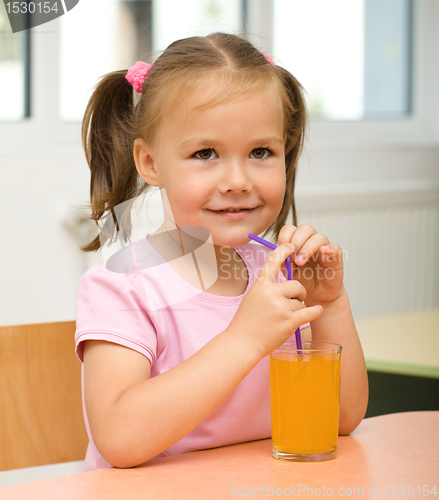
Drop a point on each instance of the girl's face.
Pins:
(227, 156)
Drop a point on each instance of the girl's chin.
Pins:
(237, 241)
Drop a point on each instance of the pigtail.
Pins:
(295, 125)
(296, 128)
(108, 144)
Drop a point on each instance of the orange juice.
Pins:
(305, 400)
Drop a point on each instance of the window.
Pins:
(14, 71)
(125, 34)
(353, 57)
(68, 60)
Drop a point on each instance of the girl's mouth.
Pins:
(234, 214)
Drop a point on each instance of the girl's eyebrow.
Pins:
(199, 143)
(208, 143)
(269, 140)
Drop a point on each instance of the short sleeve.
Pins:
(114, 307)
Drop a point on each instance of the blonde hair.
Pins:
(112, 122)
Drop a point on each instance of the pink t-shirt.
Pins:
(158, 314)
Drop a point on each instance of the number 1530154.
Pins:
(402, 490)
(31, 7)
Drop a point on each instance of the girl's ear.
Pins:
(143, 157)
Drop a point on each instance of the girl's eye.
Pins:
(260, 153)
(206, 154)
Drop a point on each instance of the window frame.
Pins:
(44, 129)
(26, 55)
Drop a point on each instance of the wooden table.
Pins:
(390, 451)
(406, 344)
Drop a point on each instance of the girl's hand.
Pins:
(317, 264)
(271, 312)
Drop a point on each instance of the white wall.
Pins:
(40, 262)
(323, 166)
(43, 172)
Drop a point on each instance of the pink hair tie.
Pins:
(137, 74)
(270, 60)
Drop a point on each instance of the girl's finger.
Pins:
(310, 248)
(306, 315)
(286, 234)
(293, 289)
(331, 253)
(302, 234)
(271, 268)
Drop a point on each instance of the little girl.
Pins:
(219, 129)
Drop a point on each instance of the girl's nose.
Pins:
(235, 178)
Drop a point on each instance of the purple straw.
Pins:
(289, 274)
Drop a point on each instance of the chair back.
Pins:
(41, 419)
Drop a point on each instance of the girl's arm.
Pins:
(319, 267)
(133, 417)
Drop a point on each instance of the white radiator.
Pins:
(390, 237)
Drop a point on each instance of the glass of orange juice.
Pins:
(305, 401)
